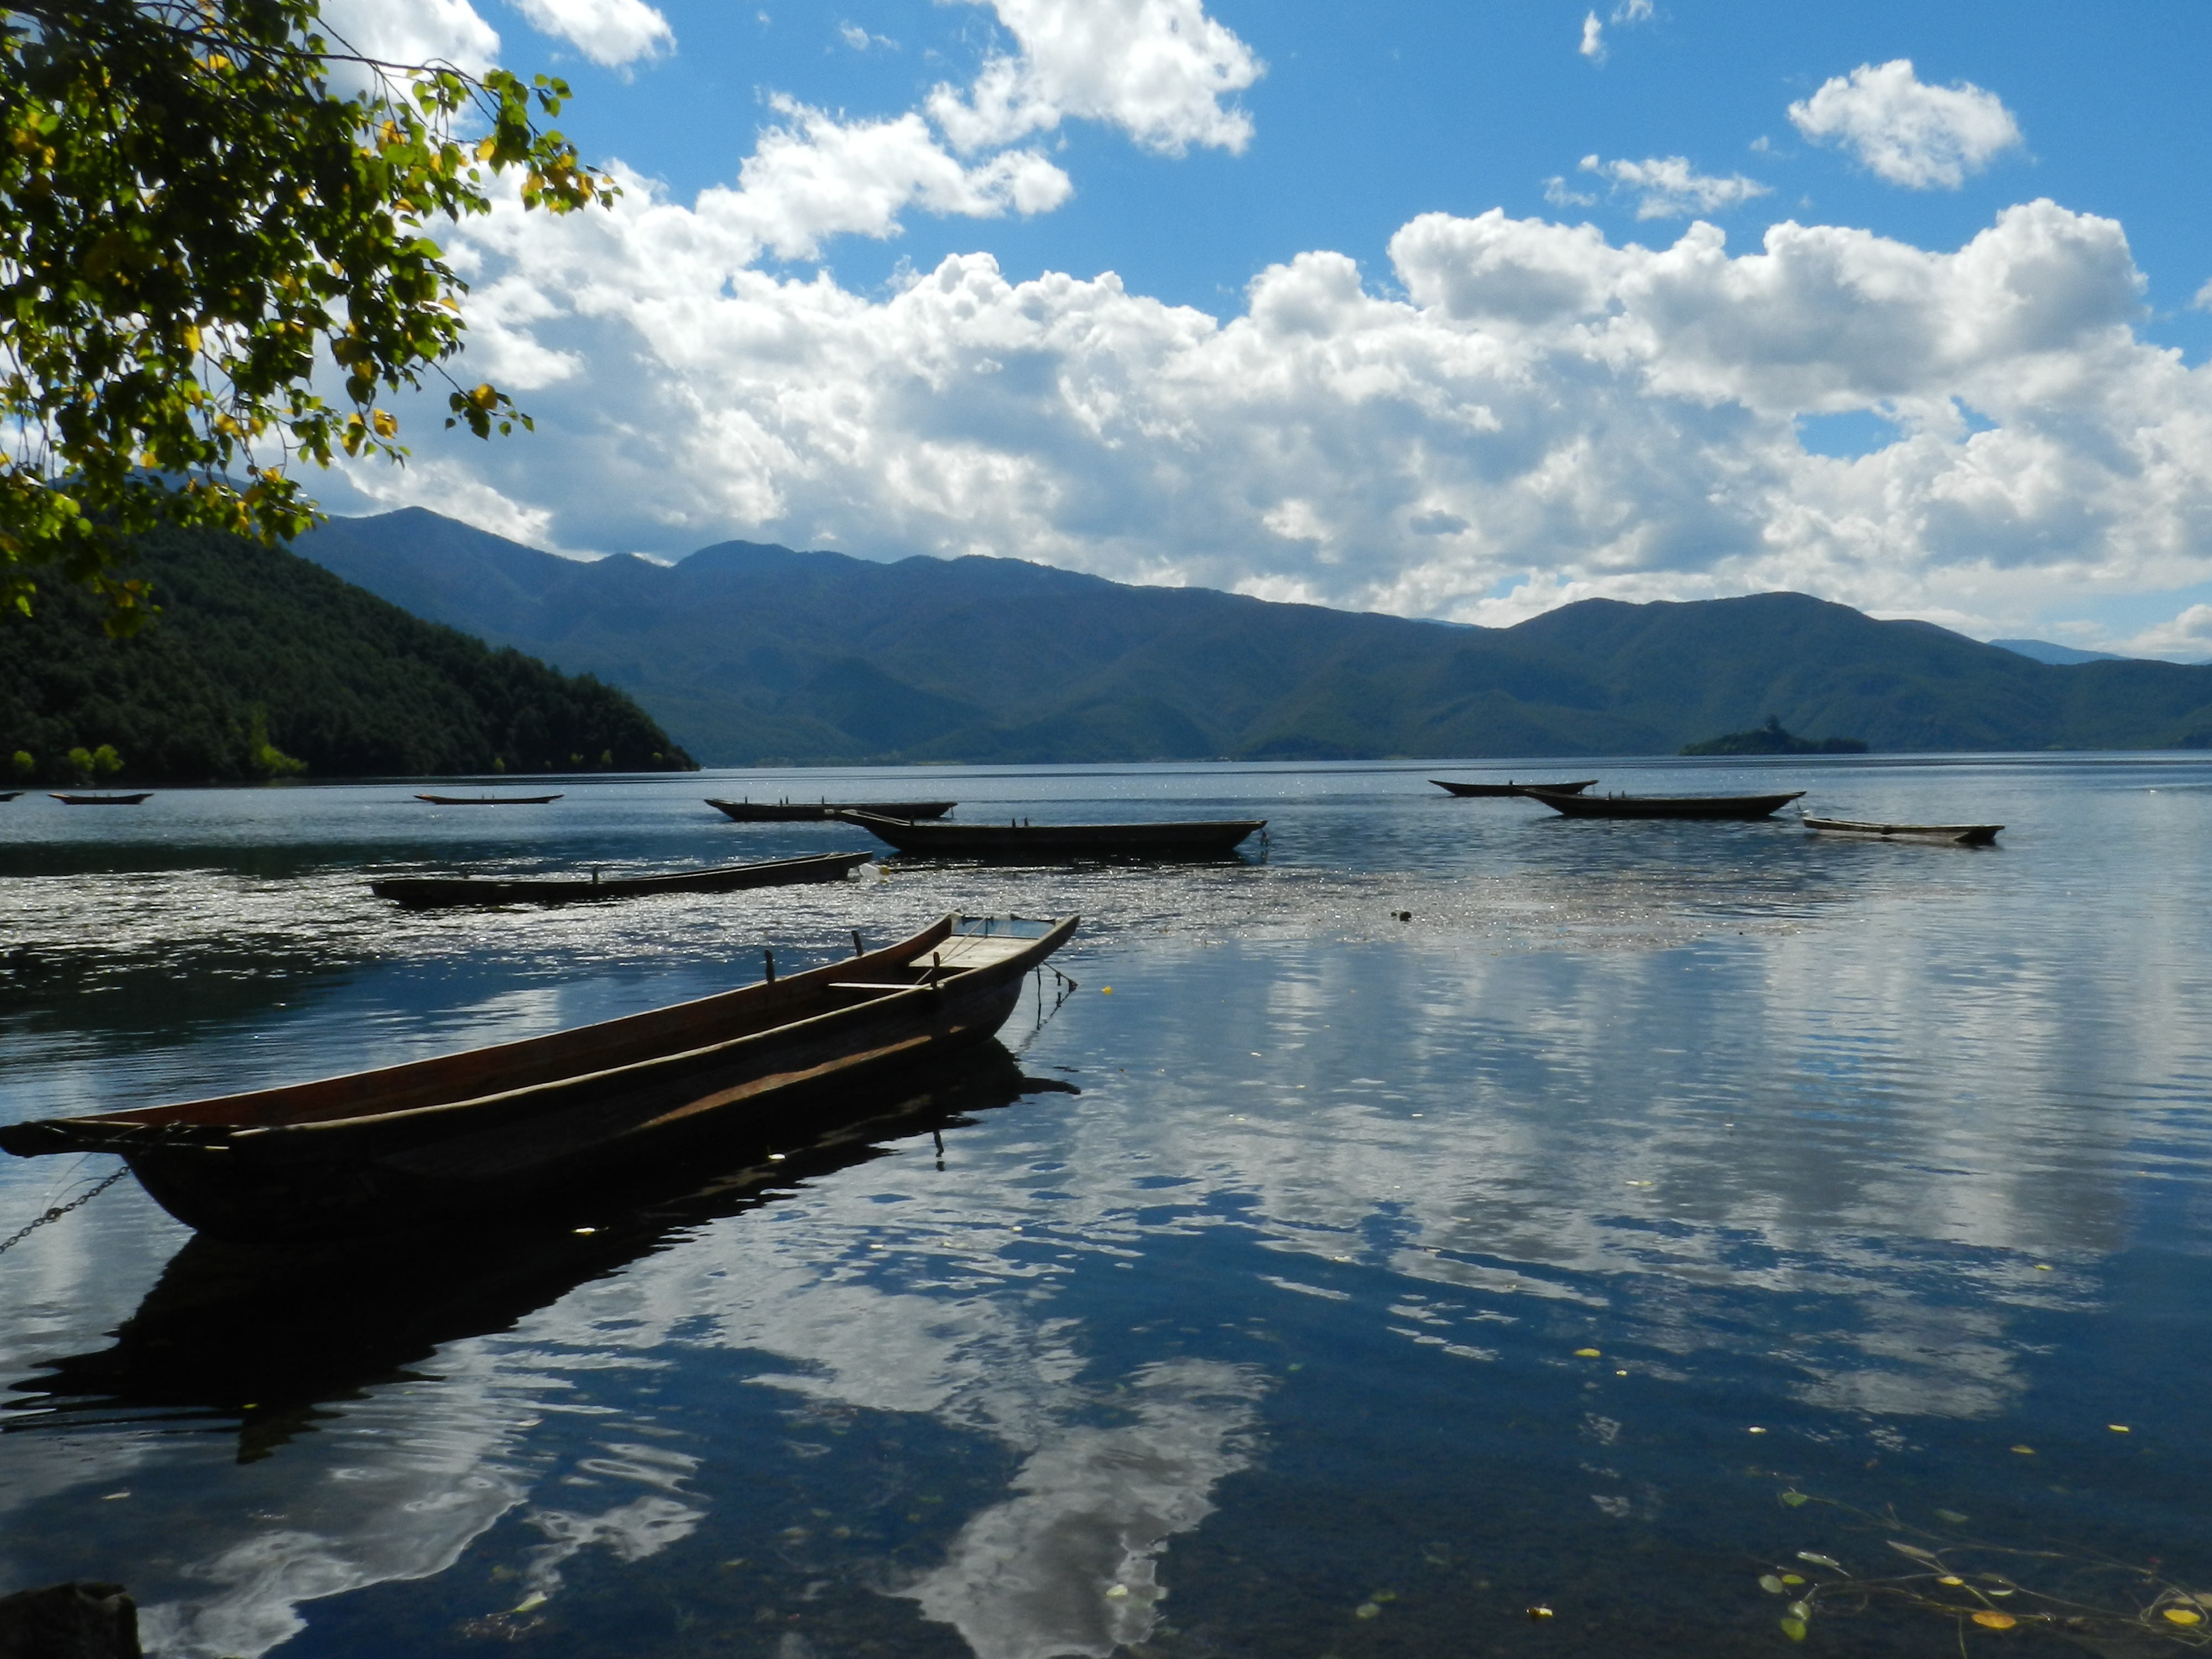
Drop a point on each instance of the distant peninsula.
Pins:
(1772, 739)
(262, 664)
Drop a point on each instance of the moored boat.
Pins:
(488, 800)
(1738, 807)
(104, 800)
(1205, 838)
(457, 1137)
(9, 794)
(788, 811)
(1490, 791)
(1957, 835)
(440, 892)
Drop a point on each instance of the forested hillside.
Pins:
(754, 653)
(262, 663)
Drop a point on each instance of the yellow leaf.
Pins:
(1793, 1629)
(2025, 1451)
(1989, 1621)
(2184, 1616)
(1586, 1354)
(385, 426)
(1769, 1583)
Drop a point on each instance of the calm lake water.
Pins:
(1656, 1204)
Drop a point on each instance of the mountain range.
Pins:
(755, 654)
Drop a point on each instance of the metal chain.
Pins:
(61, 1210)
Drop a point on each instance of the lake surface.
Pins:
(1658, 1203)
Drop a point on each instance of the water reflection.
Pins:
(1384, 1277)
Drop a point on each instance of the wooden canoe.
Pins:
(1490, 791)
(1198, 840)
(488, 800)
(441, 892)
(1959, 834)
(456, 1138)
(1740, 808)
(761, 812)
(104, 800)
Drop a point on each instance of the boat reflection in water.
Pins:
(276, 1338)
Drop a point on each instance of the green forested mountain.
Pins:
(259, 657)
(750, 654)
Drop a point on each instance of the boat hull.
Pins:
(1738, 808)
(458, 1139)
(104, 800)
(1495, 791)
(1957, 835)
(1210, 839)
(748, 812)
(446, 892)
(488, 800)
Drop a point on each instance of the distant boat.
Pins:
(487, 800)
(1510, 787)
(1959, 834)
(444, 892)
(1664, 807)
(458, 1138)
(787, 811)
(103, 800)
(1188, 840)
(9, 794)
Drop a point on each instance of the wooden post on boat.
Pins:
(768, 962)
(857, 951)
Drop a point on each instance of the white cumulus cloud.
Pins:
(610, 32)
(1905, 130)
(1159, 69)
(1664, 186)
(413, 31)
(2186, 638)
(1593, 45)
(1537, 414)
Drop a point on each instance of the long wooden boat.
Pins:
(488, 800)
(794, 811)
(454, 1138)
(104, 800)
(1959, 834)
(1740, 807)
(440, 892)
(1490, 791)
(1190, 839)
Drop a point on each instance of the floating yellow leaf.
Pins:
(1769, 1583)
(1117, 1591)
(1106, 991)
(1366, 1610)
(1755, 1430)
(2117, 1428)
(2025, 1451)
(1950, 1578)
(535, 1599)
(2043, 1268)
(2184, 1616)
(1539, 1613)
(1795, 1499)
(1792, 1578)
(1793, 1629)
(1819, 1560)
(1586, 1354)
(1989, 1621)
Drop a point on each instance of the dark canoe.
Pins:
(1509, 787)
(1211, 837)
(104, 800)
(1665, 807)
(9, 794)
(487, 800)
(456, 1138)
(761, 812)
(1959, 834)
(438, 892)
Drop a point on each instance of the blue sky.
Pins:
(1302, 384)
